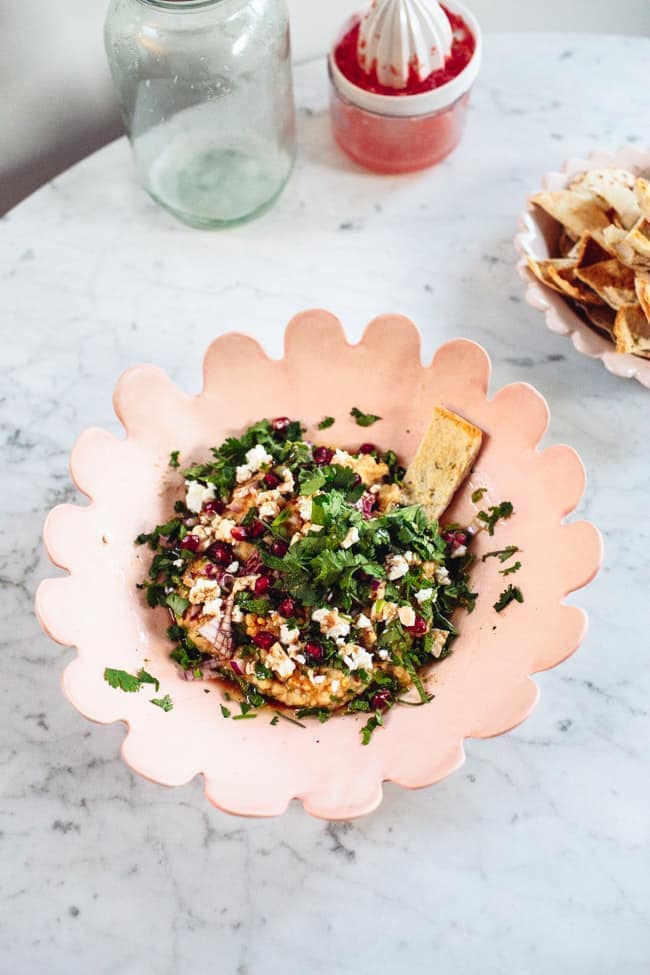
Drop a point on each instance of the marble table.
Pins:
(533, 858)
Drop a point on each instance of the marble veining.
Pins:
(534, 856)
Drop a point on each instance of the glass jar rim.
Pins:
(179, 5)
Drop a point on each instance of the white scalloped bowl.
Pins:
(536, 240)
(482, 689)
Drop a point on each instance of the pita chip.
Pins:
(444, 459)
(559, 274)
(602, 317)
(643, 196)
(632, 331)
(577, 212)
(616, 189)
(643, 293)
(611, 280)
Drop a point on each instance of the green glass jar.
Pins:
(206, 93)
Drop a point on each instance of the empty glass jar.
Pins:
(206, 94)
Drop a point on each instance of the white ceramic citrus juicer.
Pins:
(398, 37)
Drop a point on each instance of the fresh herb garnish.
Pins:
(496, 513)
(478, 494)
(511, 571)
(165, 702)
(244, 717)
(319, 713)
(326, 422)
(274, 720)
(376, 721)
(173, 459)
(120, 679)
(511, 594)
(502, 554)
(177, 604)
(286, 717)
(364, 419)
(225, 711)
(146, 678)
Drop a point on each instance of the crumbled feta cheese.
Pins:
(223, 529)
(423, 594)
(213, 607)
(384, 654)
(269, 509)
(305, 508)
(362, 622)
(300, 657)
(351, 538)
(320, 679)
(442, 575)
(382, 610)
(288, 636)
(459, 551)
(256, 457)
(341, 457)
(237, 614)
(295, 538)
(406, 615)
(335, 686)
(396, 567)
(233, 567)
(440, 638)
(197, 495)
(280, 662)
(331, 623)
(411, 557)
(179, 563)
(288, 485)
(356, 657)
(374, 489)
(203, 589)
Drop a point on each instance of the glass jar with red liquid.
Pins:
(399, 131)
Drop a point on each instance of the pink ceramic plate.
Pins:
(536, 238)
(482, 689)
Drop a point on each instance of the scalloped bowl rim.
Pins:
(344, 799)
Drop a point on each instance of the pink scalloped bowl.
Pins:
(483, 689)
(536, 239)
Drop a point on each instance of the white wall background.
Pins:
(57, 103)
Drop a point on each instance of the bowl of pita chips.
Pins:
(585, 253)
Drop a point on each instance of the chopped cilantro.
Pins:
(244, 717)
(319, 713)
(478, 494)
(326, 422)
(364, 419)
(165, 702)
(173, 459)
(502, 554)
(511, 594)
(146, 678)
(120, 679)
(177, 604)
(376, 721)
(274, 720)
(496, 513)
(225, 711)
(511, 571)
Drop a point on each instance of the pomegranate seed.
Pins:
(382, 700)
(322, 456)
(367, 448)
(210, 570)
(215, 507)
(191, 543)
(419, 628)
(314, 650)
(279, 548)
(264, 639)
(222, 553)
(280, 424)
(256, 528)
(271, 480)
(287, 607)
(239, 533)
(234, 664)
(262, 585)
(461, 538)
(448, 537)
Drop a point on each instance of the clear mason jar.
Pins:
(206, 93)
